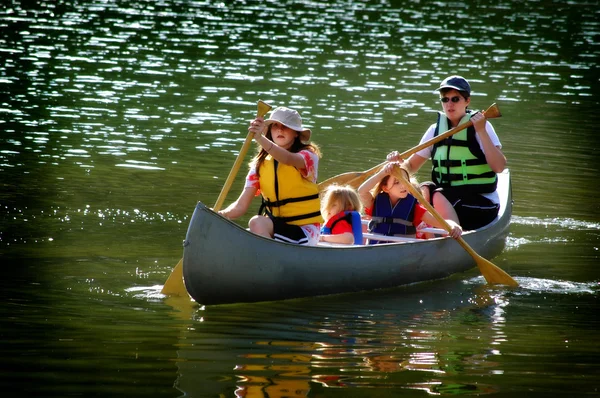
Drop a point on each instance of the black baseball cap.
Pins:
(456, 82)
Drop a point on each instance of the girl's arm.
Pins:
(346, 237)
(431, 220)
(278, 153)
(364, 191)
(240, 206)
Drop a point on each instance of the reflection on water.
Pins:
(439, 350)
(459, 345)
(118, 116)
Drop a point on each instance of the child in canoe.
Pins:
(284, 172)
(341, 207)
(394, 211)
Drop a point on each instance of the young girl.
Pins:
(394, 211)
(285, 172)
(341, 207)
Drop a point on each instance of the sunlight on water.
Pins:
(565, 223)
(150, 293)
(118, 116)
(531, 285)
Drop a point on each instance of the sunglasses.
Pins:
(453, 99)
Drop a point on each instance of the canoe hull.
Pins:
(224, 263)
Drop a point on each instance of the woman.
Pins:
(464, 166)
(284, 172)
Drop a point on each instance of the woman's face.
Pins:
(455, 106)
(283, 135)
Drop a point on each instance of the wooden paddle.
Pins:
(355, 178)
(174, 285)
(491, 273)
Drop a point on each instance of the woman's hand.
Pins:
(393, 156)
(479, 122)
(389, 167)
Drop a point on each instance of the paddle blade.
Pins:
(492, 112)
(263, 108)
(493, 274)
(174, 285)
(341, 179)
(351, 178)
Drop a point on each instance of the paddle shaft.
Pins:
(233, 172)
(490, 113)
(262, 111)
(491, 273)
(174, 284)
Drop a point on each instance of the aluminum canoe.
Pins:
(225, 263)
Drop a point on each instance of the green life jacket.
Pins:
(459, 163)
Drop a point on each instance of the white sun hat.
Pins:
(289, 118)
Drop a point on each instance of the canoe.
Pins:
(225, 263)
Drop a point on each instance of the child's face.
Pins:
(334, 209)
(395, 189)
(283, 135)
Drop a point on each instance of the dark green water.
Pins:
(118, 116)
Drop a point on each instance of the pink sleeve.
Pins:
(252, 180)
(311, 162)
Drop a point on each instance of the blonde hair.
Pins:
(411, 178)
(344, 194)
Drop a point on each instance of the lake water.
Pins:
(117, 117)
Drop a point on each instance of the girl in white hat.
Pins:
(284, 172)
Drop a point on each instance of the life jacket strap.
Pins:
(283, 202)
(267, 212)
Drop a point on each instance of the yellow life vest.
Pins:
(287, 195)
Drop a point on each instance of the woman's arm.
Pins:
(414, 163)
(493, 154)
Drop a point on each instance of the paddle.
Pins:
(355, 178)
(491, 273)
(174, 285)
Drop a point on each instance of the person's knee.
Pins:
(261, 225)
(256, 223)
